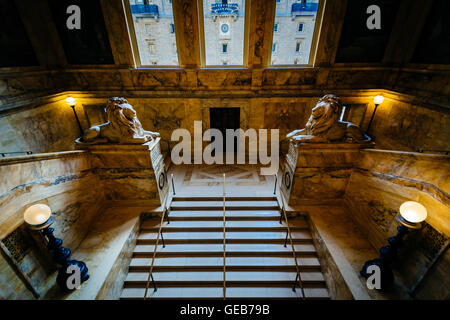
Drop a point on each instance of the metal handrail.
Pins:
(298, 277)
(224, 241)
(150, 274)
(173, 185)
(16, 152)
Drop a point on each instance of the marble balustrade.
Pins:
(78, 186)
(319, 172)
(372, 184)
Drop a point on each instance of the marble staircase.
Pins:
(258, 265)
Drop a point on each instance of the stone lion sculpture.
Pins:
(123, 126)
(324, 126)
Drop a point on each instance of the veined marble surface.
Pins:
(125, 171)
(322, 170)
(66, 183)
(100, 250)
(380, 183)
(205, 180)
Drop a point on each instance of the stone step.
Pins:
(230, 293)
(276, 293)
(216, 263)
(148, 237)
(232, 250)
(229, 205)
(228, 198)
(229, 216)
(256, 226)
(233, 278)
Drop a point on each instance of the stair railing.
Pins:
(16, 152)
(289, 234)
(150, 274)
(173, 185)
(224, 240)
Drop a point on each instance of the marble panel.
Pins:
(336, 284)
(436, 283)
(64, 181)
(322, 170)
(380, 184)
(274, 78)
(126, 171)
(113, 285)
(33, 129)
(11, 287)
(286, 116)
(101, 250)
(319, 184)
(409, 127)
(231, 79)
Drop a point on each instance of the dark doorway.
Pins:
(225, 118)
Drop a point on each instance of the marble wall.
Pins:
(65, 182)
(407, 126)
(379, 184)
(48, 127)
(51, 125)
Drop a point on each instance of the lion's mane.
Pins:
(317, 125)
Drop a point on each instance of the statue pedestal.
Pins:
(131, 173)
(316, 172)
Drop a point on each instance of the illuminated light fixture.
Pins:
(39, 218)
(379, 99)
(411, 216)
(72, 102)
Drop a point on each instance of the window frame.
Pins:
(134, 44)
(224, 48)
(314, 41)
(312, 54)
(298, 45)
(201, 25)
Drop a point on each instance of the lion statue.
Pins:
(123, 126)
(324, 126)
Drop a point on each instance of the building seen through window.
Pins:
(224, 21)
(294, 31)
(154, 29)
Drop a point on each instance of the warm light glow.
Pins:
(413, 212)
(71, 101)
(37, 214)
(378, 99)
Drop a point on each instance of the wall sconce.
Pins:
(72, 102)
(39, 218)
(377, 101)
(411, 216)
